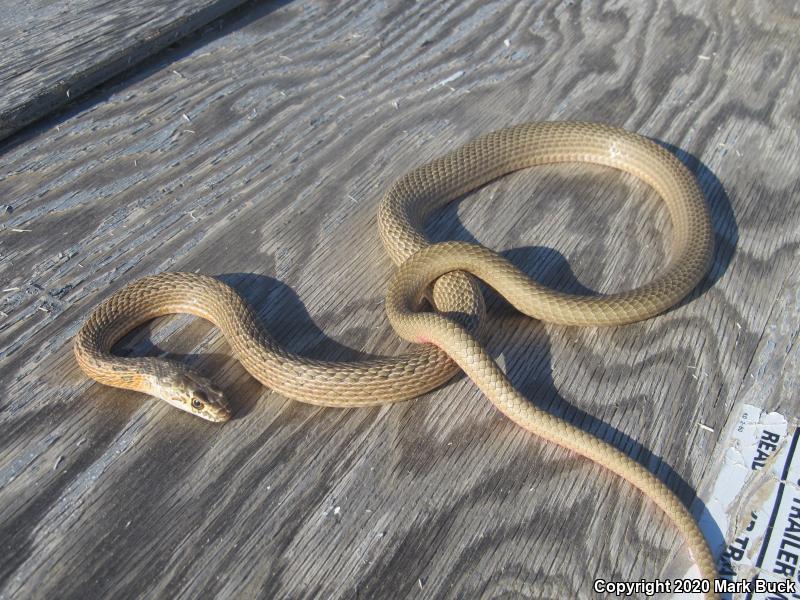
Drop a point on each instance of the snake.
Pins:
(434, 301)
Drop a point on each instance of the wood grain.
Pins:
(296, 122)
(53, 52)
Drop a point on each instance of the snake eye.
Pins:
(198, 400)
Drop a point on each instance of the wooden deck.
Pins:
(53, 52)
(258, 153)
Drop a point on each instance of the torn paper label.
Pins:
(751, 516)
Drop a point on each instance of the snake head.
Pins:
(194, 394)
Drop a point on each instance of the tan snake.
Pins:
(449, 334)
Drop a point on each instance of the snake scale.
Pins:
(449, 337)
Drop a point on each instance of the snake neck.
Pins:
(145, 300)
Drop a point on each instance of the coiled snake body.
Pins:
(448, 338)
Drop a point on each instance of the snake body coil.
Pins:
(448, 337)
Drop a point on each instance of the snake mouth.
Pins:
(219, 414)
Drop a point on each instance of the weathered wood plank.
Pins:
(53, 52)
(296, 125)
